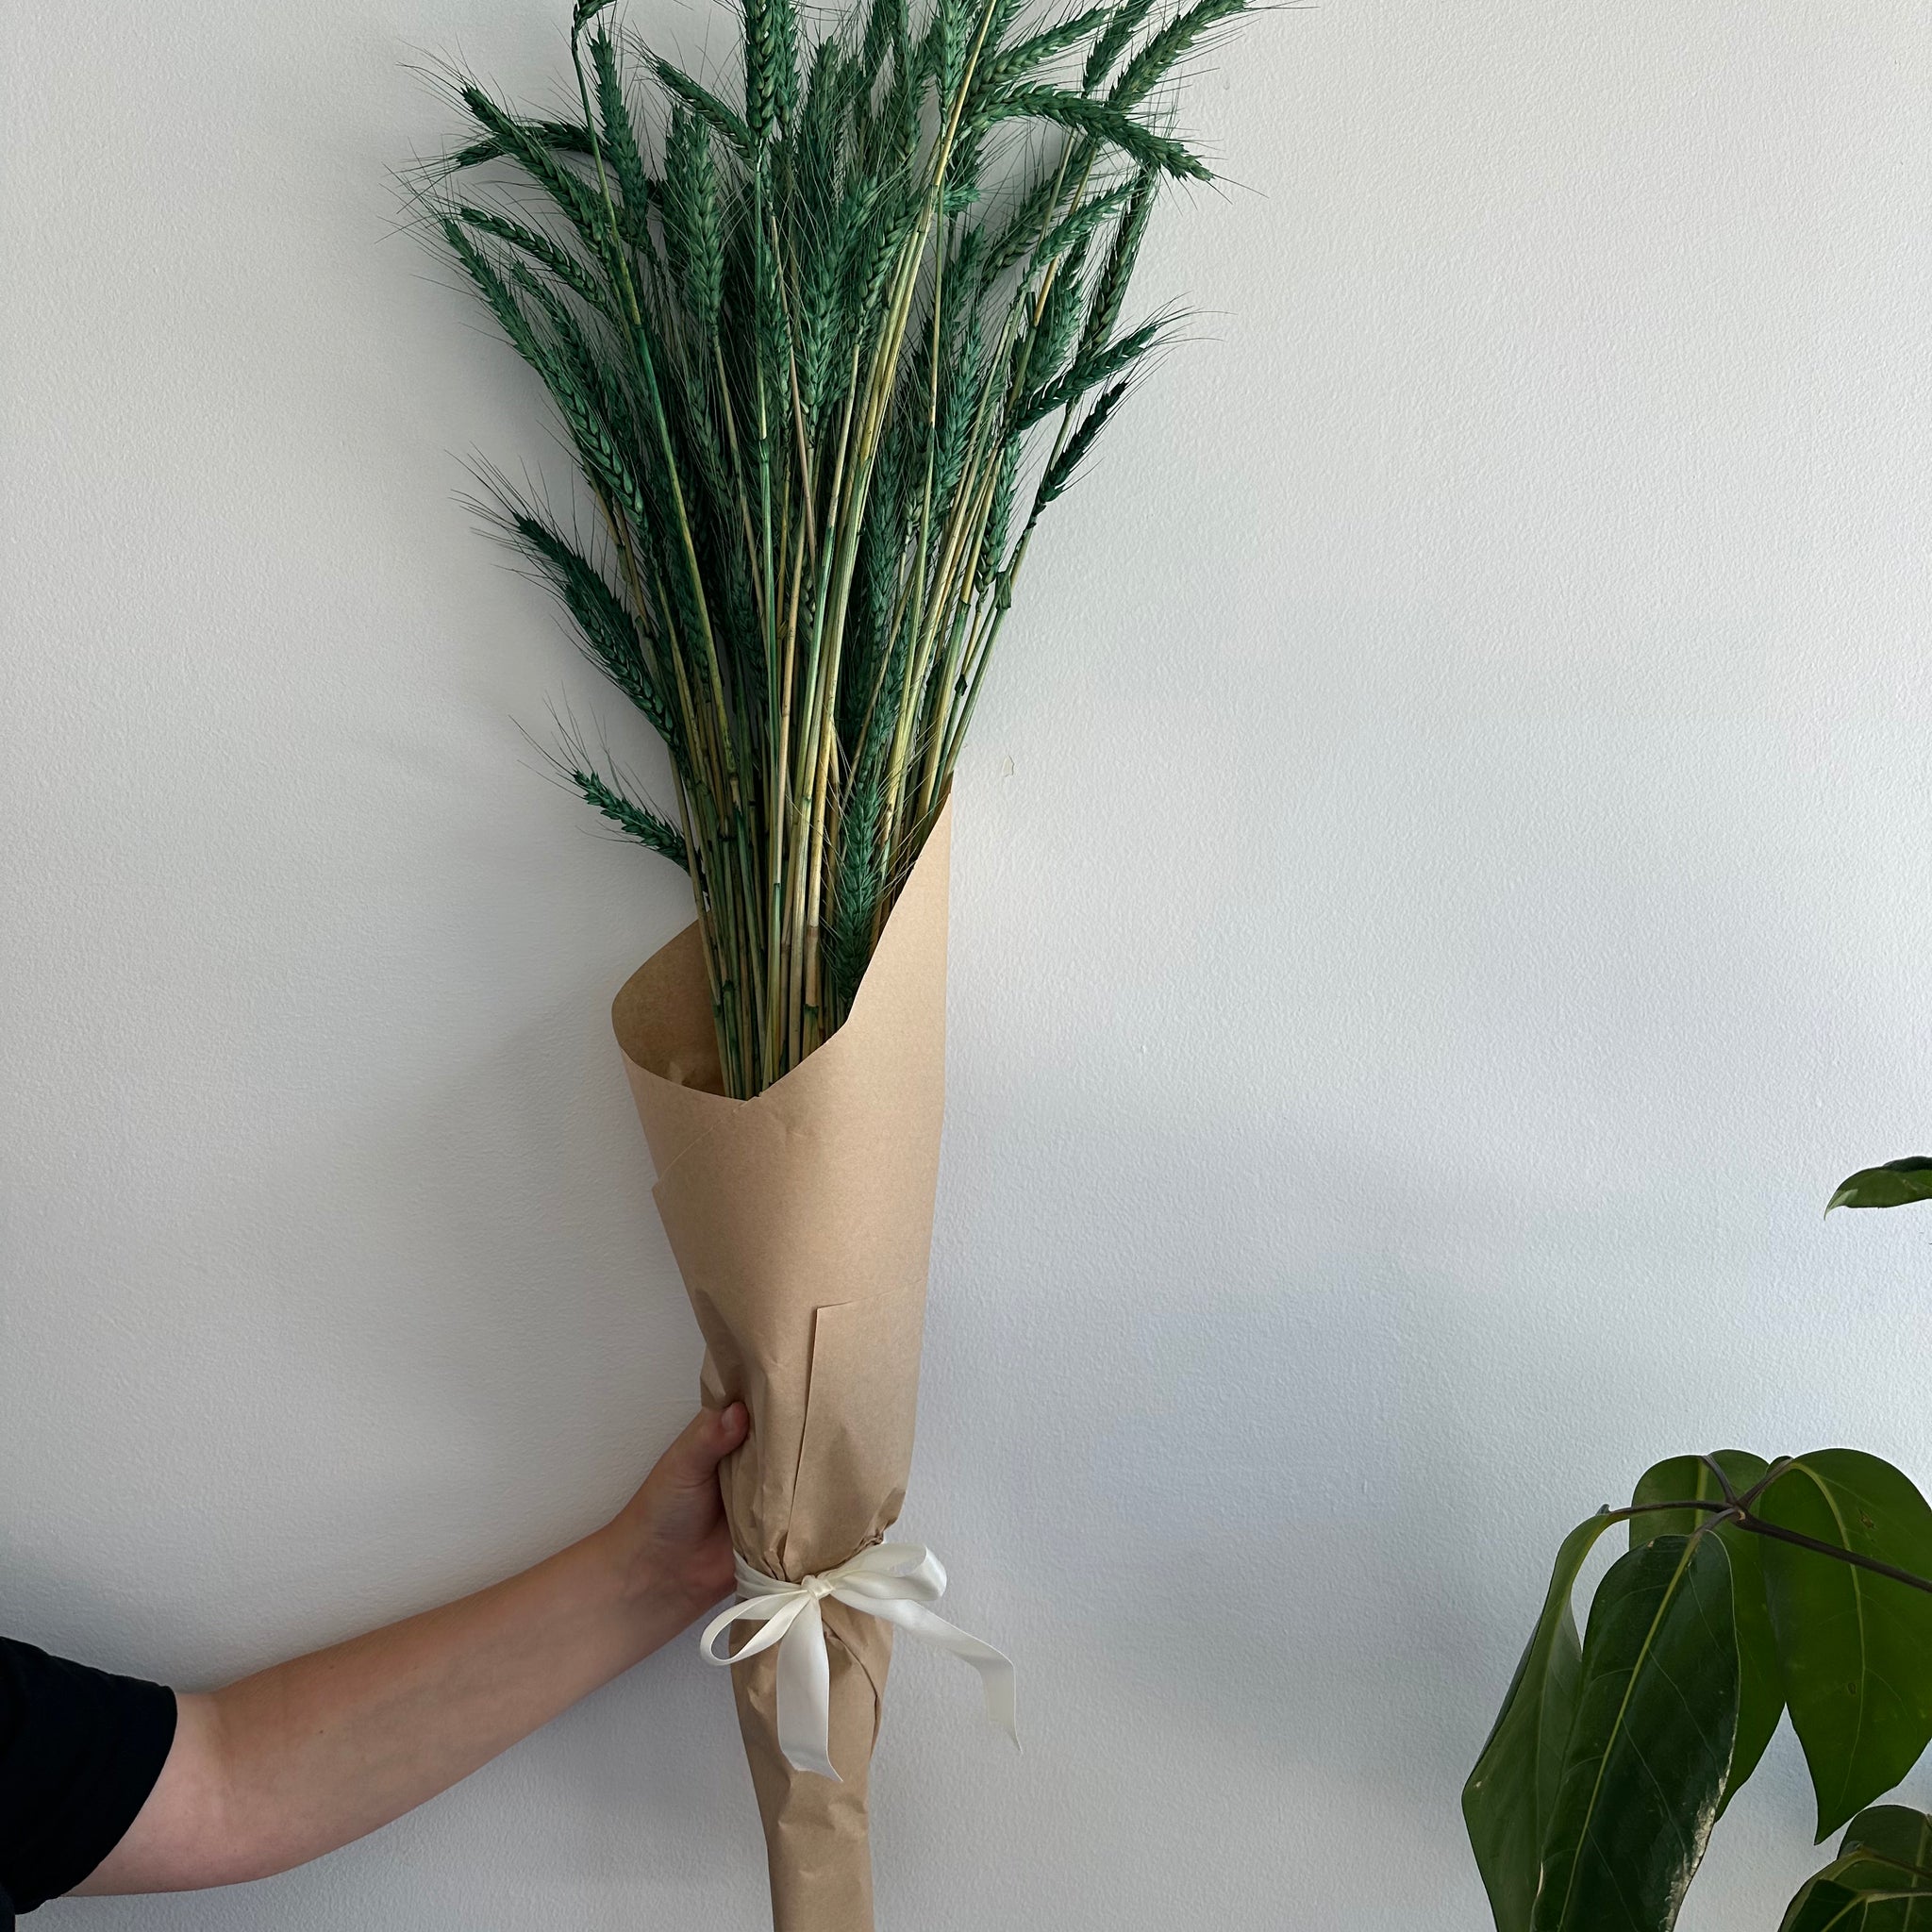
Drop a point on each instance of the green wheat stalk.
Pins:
(801, 346)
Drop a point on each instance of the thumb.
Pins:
(710, 1435)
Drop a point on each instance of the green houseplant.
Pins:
(1749, 1589)
(1881, 1880)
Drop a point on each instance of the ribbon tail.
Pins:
(805, 1695)
(997, 1679)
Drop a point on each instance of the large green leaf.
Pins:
(1855, 1648)
(1881, 1880)
(1657, 1715)
(1760, 1683)
(1896, 1184)
(1510, 1793)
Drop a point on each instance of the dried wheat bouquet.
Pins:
(824, 354)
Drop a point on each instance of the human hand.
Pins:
(671, 1537)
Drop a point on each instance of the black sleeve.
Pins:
(80, 1752)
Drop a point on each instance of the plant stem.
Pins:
(1734, 1512)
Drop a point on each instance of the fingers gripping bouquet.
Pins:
(824, 357)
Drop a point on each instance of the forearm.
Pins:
(328, 1747)
(295, 1761)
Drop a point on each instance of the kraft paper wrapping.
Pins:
(802, 1223)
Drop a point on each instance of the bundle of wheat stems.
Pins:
(805, 353)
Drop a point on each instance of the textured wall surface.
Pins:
(1441, 893)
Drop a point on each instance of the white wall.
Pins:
(1442, 892)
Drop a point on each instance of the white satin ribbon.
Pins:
(894, 1581)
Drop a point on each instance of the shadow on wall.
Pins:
(517, 1297)
(1296, 1409)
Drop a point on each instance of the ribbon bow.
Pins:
(894, 1581)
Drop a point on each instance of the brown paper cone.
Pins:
(802, 1223)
